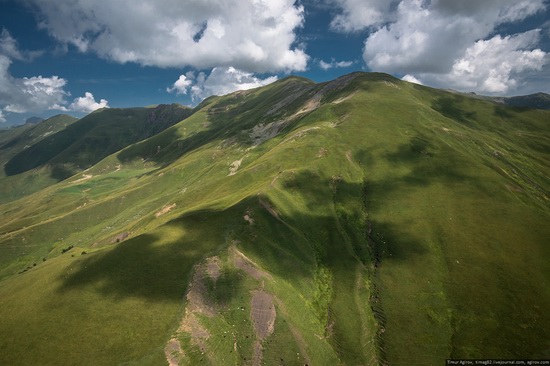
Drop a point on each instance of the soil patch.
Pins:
(165, 210)
(343, 99)
(235, 166)
(84, 177)
(213, 267)
(197, 296)
(263, 315)
(198, 302)
(173, 352)
(120, 237)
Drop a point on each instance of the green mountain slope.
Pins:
(361, 221)
(79, 146)
(17, 139)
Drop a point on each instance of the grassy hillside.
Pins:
(17, 139)
(362, 221)
(62, 152)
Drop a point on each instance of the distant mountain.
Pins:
(34, 120)
(22, 137)
(537, 100)
(62, 152)
(533, 101)
(360, 221)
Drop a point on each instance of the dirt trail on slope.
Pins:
(269, 208)
(242, 262)
(84, 178)
(263, 315)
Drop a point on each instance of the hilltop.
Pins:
(365, 220)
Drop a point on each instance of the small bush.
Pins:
(65, 250)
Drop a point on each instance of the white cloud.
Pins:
(357, 15)
(429, 37)
(182, 84)
(433, 39)
(253, 35)
(221, 81)
(493, 65)
(38, 94)
(411, 79)
(87, 103)
(29, 94)
(58, 107)
(10, 48)
(334, 64)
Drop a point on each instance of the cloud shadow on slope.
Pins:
(450, 107)
(155, 266)
(143, 267)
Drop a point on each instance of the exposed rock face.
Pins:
(164, 116)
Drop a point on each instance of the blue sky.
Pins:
(73, 56)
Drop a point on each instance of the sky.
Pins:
(75, 56)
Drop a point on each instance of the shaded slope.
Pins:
(79, 146)
(96, 136)
(368, 219)
(27, 135)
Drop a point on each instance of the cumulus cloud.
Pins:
(411, 79)
(221, 81)
(29, 94)
(429, 37)
(334, 64)
(182, 84)
(447, 42)
(252, 35)
(37, 94)
(87, 104)
(494, 65)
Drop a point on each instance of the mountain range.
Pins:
(360, 221)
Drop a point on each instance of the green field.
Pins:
(362, 221)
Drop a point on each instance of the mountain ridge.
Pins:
(364, 220)
(79, 145)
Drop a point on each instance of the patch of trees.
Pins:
(26, 269)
